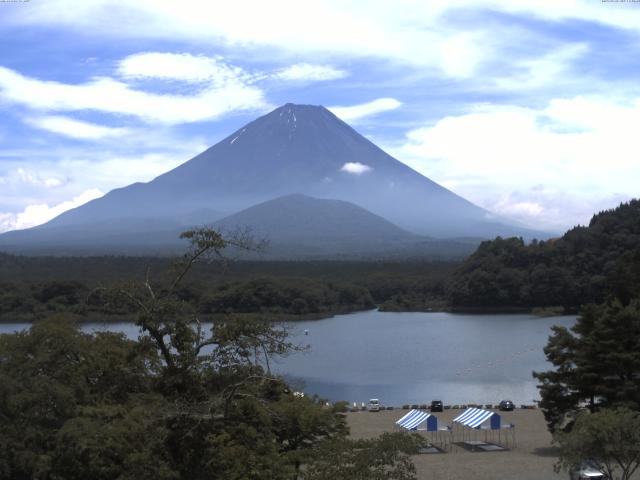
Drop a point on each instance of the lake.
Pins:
(411, 357)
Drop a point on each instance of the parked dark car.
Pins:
(436, 406)
(507, 406)
(587, 470)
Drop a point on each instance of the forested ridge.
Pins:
(586, 265)
(35, 287)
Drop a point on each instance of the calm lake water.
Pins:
(411, 357)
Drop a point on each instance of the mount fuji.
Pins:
(294, 150)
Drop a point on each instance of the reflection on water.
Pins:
(410, 357)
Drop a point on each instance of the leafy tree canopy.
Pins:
(596, 362)
(609, 438)
(585, 265)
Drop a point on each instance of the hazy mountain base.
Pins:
(428, 250)
(293, 227)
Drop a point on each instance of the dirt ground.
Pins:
(532, 457)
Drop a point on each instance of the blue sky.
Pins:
(528, 108)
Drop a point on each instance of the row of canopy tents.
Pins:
(467, 427)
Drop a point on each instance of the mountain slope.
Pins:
(294, 149)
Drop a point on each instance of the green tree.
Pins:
(597, 362)
(123, 440)
(383, 458)
(53, 377)
(225, 401)
(609, 437)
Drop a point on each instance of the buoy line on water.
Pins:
(496, 362)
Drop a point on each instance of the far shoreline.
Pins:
(94, 317)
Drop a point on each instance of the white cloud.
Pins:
(222, 88)
(112, 96)
(518, 209)
(544, 71)
(615, 14)
(309, 72)
(356, 168)
(354, 113)
(37, 214)
(75, 168)
(553, 209)
(75, 128)
(583, 145)
(461, 53)
(510, 206)
(414, 32)
(29, 178)
(411, 32)
(118, 170)
(180, 66)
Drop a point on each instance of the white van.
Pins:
(373, 405)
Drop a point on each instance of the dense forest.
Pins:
(585, 265)
(35, 287)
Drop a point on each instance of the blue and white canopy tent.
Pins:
(420, 421)
(475, 417)
(473, 420)
(413, 419)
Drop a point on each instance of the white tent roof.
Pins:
(473, 417)
(412, 419)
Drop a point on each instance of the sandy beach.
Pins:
(532, 458)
